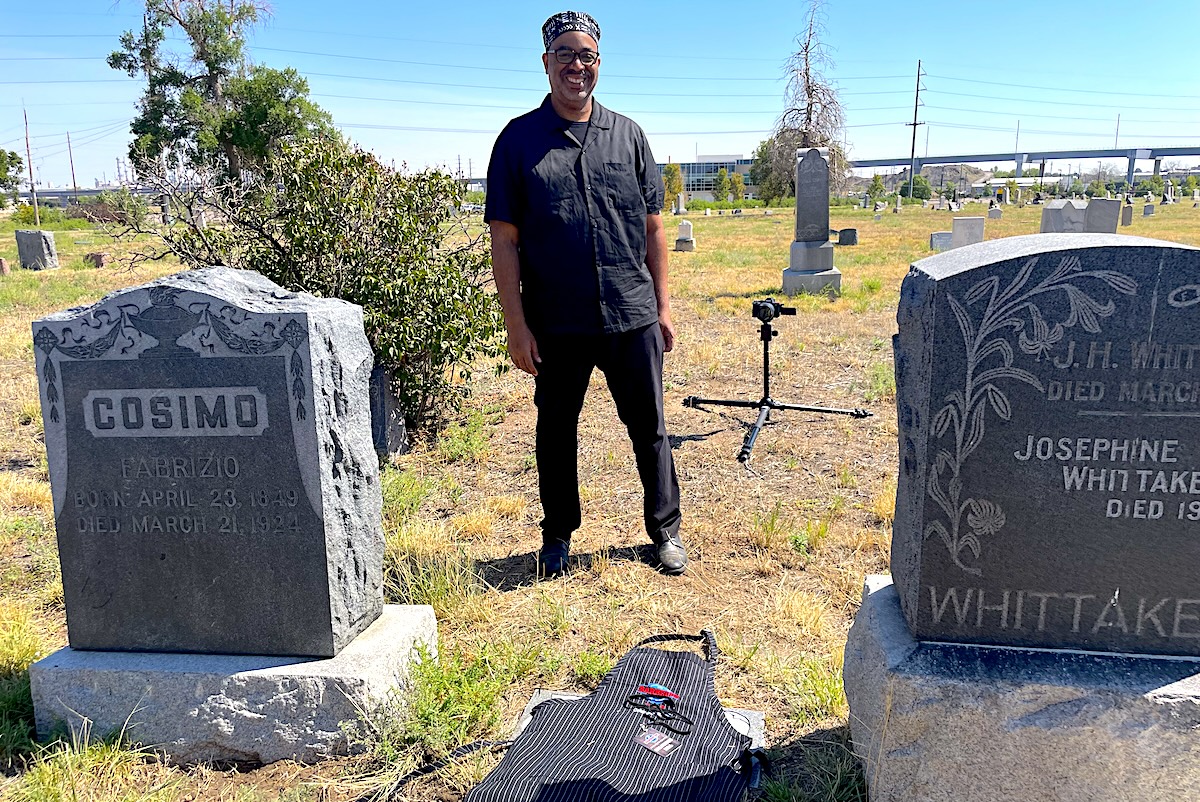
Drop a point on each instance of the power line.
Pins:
(1052, 102)
(1062, 88)
(1057, 116)
(484, 69)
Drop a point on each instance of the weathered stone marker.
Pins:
(215, 486)
(1126, 215)
(1048, 503)
(940, 240)
(1067, 365)
(810, 268)
(684, 241)
(36, 251)
(995, 213)
(848, 236)
(1148, 210)
(966, 231)
(1064, 217)
(1101, 216)
(217, 501)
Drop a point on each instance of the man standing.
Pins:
(579, 255)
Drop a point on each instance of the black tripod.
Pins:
(766, 311)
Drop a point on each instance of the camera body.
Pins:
(768, 309)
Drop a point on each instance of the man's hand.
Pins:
(668, 330)
(522, 347)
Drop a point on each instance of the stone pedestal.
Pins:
(811, 269)
(206, 707)
(685, 244)
(957, 723)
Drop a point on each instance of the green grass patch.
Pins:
(590, 667)
(881, 382)
(814, 692)
(465, 440)
(403, 492)
(20, 646)
(455, 698)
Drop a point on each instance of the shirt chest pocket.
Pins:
(621, 184)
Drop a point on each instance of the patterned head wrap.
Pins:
(565, 21)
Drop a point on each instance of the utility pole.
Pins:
(1017, 142)
(37, 217)
(1117, 136)
(71, 156)
(912, 160)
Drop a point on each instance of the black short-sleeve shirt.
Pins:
(580, 210)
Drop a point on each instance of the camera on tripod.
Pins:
(768, 309)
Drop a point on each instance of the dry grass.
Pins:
(779, 549)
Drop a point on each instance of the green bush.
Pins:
(328, 218)
(24, 215)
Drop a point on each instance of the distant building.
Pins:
(700, 176)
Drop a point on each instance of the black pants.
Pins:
(632, 362)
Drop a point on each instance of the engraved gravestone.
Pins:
(1049, 491)
(214, 482)
(810, 265)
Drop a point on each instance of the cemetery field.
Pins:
(779, 549)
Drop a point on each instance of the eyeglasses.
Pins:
(565, 55)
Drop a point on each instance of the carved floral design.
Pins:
(989, 360)
(164, 318)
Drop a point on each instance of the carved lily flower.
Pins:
(985, 518)
(1044, 338)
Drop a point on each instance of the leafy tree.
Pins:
(876, 189)
(737, 186)
(1190, 184)
(1077, 187)
(772, 184)
(11, 166)
(721, 185)
(673, 180)
(921, 188)
(1095, 189)
(328, 218)
(209, 106)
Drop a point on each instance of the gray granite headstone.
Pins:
(995, 213)
(1148, 210)
(214, 482)
(1126, 215)
(810, 267)
(36, 251)
(940, 240)
(966, 231)
(1064, 217)
(848, 236)
(1049, 491)
(1101, 216)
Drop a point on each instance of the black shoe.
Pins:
(552, 560)
(672, 557)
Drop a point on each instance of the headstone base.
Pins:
(685, 244)
(811, 257)
(205, 707)
(941, 722)
(824, 282)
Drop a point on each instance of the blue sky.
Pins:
(429, 83)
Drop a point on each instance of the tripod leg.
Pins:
(764, 412)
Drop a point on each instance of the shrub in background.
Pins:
(328, 218)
